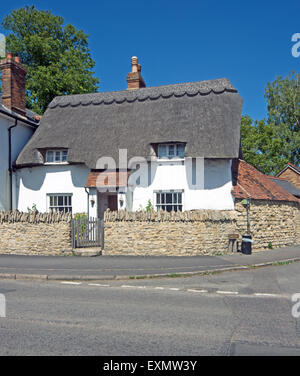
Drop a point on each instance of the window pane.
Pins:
(171, 150)
(162, 198)
(169, 198)
(175, 198)
(57, 156)
(162, 151)
(158, 198)
(60, 200)
(51, 201)
(180, 150)
(169, 208)
(49, 157)
(70, 200)
(64, 156)
(180, 198)
(55, 200)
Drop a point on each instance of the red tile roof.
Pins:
(292, 166)
(249, 182)
(107, 179)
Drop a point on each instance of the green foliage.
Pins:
(79, 216)
(149, 206)
(270, 144)
(56, 56)
(33, 209)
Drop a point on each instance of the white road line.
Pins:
(192, 290)
(71, 283)
(98, 285)
(174, 289)
(228, 292)
(264, 294)
(159, 288)
(127, 287)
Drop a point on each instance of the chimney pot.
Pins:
(17, 59)
(9, 55)
(134, 78)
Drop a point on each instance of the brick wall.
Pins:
(35, 234)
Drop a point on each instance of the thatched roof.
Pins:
(205, 115)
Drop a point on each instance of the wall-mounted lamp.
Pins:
(92, 203)
(121, 201)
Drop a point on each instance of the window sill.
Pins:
(170, 160)
(56, 163)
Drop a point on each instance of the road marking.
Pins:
(127, 286)
(98, 284)
(159, 288)
(227, 292)
(174, 289)
(264, 294)
(71, 283)
(193, 290)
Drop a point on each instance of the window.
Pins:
(60, 202)
(171, 150)
(169, 201)
(56, 156)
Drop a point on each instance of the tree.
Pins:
(56, 56)
(283, 98)
(270, 144)
(261, 146)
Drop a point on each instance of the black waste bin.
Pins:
(246, 244)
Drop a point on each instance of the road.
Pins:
(234, 313)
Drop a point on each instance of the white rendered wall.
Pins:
(211, 191)
(35, 183)
(20, 136)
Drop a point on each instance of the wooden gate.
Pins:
(88, 233)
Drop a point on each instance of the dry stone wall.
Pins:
(202, 232)
(35, 233)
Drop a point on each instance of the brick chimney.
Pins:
(13, 84)
(134, 78)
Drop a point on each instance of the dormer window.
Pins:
(56, 156)
(171, 151)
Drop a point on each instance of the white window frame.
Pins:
(53, 202)
(62, 156)
(168, 156)
(161, 204)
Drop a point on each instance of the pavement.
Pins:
(135, 267)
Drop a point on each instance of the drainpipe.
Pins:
(10, 169)
(88, 203)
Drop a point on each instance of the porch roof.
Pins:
(107, 179)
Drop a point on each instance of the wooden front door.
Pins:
(113, 202)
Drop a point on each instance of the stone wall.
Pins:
(273, 224)
(35, 234)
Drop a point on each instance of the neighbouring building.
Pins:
(290, 173)
(179, 141)
(17, 125)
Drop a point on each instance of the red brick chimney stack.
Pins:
(13, 84)
(134, 78)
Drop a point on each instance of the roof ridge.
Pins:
(217, 86)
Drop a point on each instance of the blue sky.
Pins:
(248, 42)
